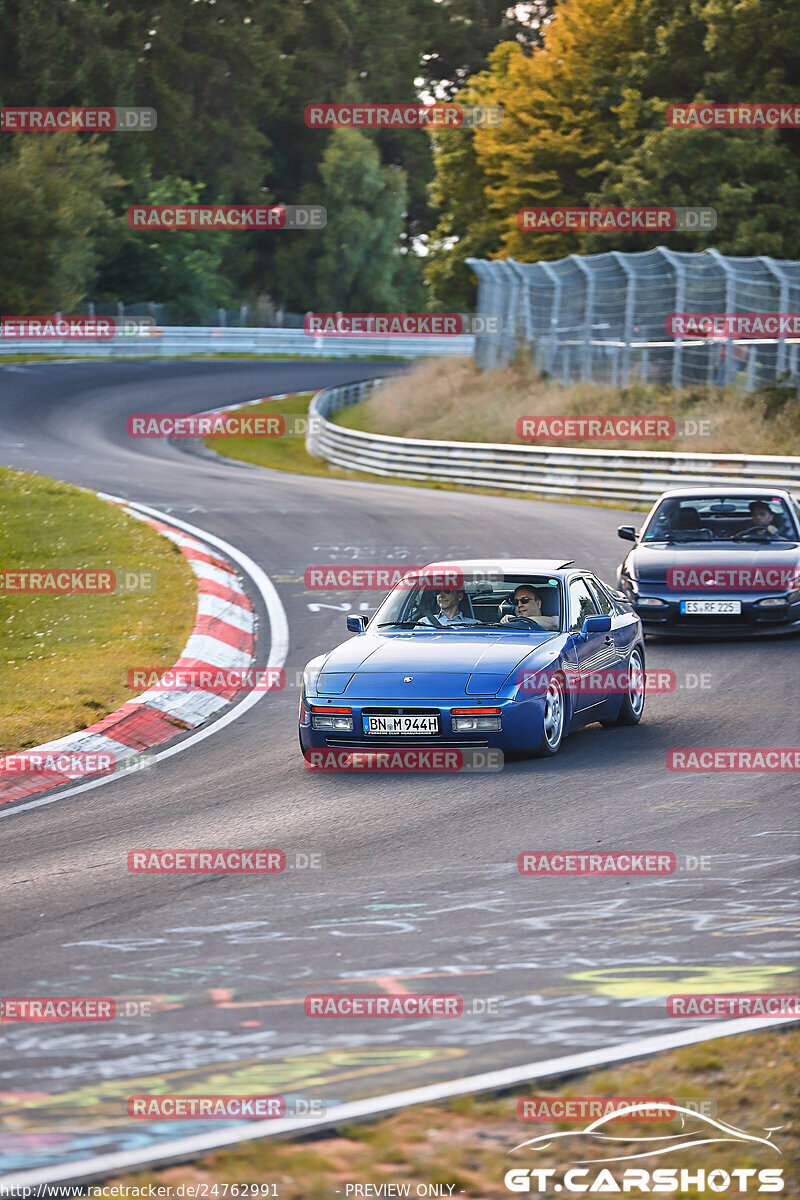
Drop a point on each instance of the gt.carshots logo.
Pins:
(402, 116)
(765, 577)
(400, 324)
(78, 119)
(616, 219)
(696, 1129)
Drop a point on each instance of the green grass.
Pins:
(751, 1079)
(64, 658)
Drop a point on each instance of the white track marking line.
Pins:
(278, 650)
(193, 1147)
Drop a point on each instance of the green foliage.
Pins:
(355, 263)
(56, 193)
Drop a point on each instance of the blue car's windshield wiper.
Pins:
(396, 625)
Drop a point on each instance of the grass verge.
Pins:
(751, 1080)
(449, 398)
(289, 454)
(65, 658)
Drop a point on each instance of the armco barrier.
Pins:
(194, 339)
(625, 475)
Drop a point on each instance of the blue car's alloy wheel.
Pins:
(553, 721)
(633, 702)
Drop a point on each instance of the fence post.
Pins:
(586, 373)
(680, 300)
(783, 306)
(630, 302)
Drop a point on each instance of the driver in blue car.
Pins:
(449, 601)
(764, 518)
(528, 603)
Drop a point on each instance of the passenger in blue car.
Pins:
(449, 601)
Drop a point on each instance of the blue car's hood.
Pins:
(441, 664)
(650, 564)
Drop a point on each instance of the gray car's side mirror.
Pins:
(356, 624)
(626, 532)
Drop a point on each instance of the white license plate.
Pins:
(402, 725)
(725, 608)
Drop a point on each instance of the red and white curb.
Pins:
(223, 637)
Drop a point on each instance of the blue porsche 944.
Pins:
(511, 655)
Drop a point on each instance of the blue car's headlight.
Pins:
(339, 719)
(474, 720)
(312, 673)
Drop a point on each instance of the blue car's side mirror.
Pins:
(356, 624)
(595, 625)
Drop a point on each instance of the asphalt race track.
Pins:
(418, 887)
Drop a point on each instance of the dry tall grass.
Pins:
(451, 399)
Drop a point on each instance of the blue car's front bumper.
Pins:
(521, 724)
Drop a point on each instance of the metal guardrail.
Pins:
(179, 340)
(624, 475)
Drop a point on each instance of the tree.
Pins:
(357, 262)
(57, 194)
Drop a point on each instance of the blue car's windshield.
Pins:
(747, 518)
(515, 602)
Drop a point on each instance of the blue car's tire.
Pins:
(632, 706)
(554, 720)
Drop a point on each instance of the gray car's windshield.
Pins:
(708, 518)
(461, 603)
